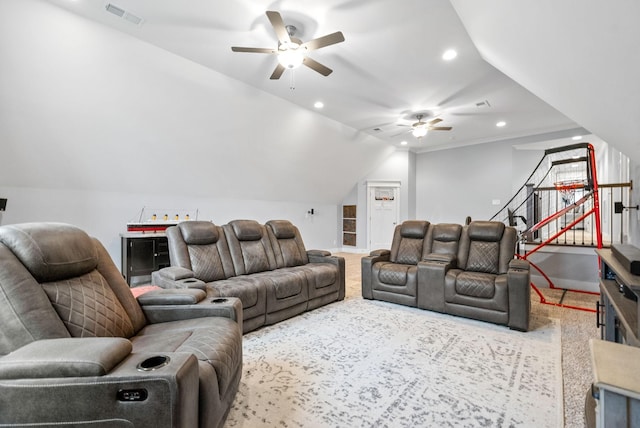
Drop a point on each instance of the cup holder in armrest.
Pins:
(219, 300)
(153, 363)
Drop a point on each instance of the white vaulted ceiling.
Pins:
(167, 106)
(389, 66)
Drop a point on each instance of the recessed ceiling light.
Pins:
(403, 143)
(501, 124)
(318, 104)
(576, 138)
(449, 54)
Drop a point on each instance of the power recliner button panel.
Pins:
(132, 394)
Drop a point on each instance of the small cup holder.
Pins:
(219, 300)
(153, 363)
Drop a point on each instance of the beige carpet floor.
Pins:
(577, 328)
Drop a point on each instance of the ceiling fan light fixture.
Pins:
(291, 54)
(420, 130)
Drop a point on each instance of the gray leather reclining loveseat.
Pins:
(468, 271)
(266, 266)
(77, 349)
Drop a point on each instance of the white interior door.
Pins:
(383, 216)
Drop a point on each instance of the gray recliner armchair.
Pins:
(392, 275)
(485, 282)
(77, 349)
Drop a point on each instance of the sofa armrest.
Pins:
(366, 265)
(228, 307)
(321, 253)
(176, 277)
(380, 253)
(187, 296)
(519, 289)
(126, 396)
(519, 264)
(450, 259)
(431, 282)
(65, 357)
(320, 256)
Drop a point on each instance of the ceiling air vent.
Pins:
(483, 104)
(121, 13)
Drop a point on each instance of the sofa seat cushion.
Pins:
(395, 278)
(217, 341)
(284, 288)
(477, 289)
(322, 278)
(321, 275)
(393, 273)
(283, 283)
(476, 284)
(250, 293)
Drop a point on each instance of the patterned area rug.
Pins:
(361, 363)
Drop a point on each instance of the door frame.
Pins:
(381, 183)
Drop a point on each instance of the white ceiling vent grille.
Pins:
(121, 13)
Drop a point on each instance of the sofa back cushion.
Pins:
(287, 244)
(201, 247)
(88, 307)
(443, 238)
(249, 246)
(54, 275)
(51, 251)
(487, 246)
(408, 242)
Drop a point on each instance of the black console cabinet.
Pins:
(618, 314)
(143, 253)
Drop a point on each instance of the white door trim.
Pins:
(380, 183)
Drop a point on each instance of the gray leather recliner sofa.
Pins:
(77, 349)
(468, 271)
(266, 266)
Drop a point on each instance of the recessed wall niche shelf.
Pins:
(349, 225)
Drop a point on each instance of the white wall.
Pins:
(105, 214)
(453, 184)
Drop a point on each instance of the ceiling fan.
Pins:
(420, 128)
(291, 51)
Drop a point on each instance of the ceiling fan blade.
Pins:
(277, 72)
(278, 26)
(253, 50)
(320, 42)
(434, 121)
(315, 65)
(440, 128)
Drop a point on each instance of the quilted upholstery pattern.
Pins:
(476, 284)
(410, 251)
(206, 263)
(88, 307)
(214, 341)
(393, 274)
(483, 257)
(255, 257)
(290, 253)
